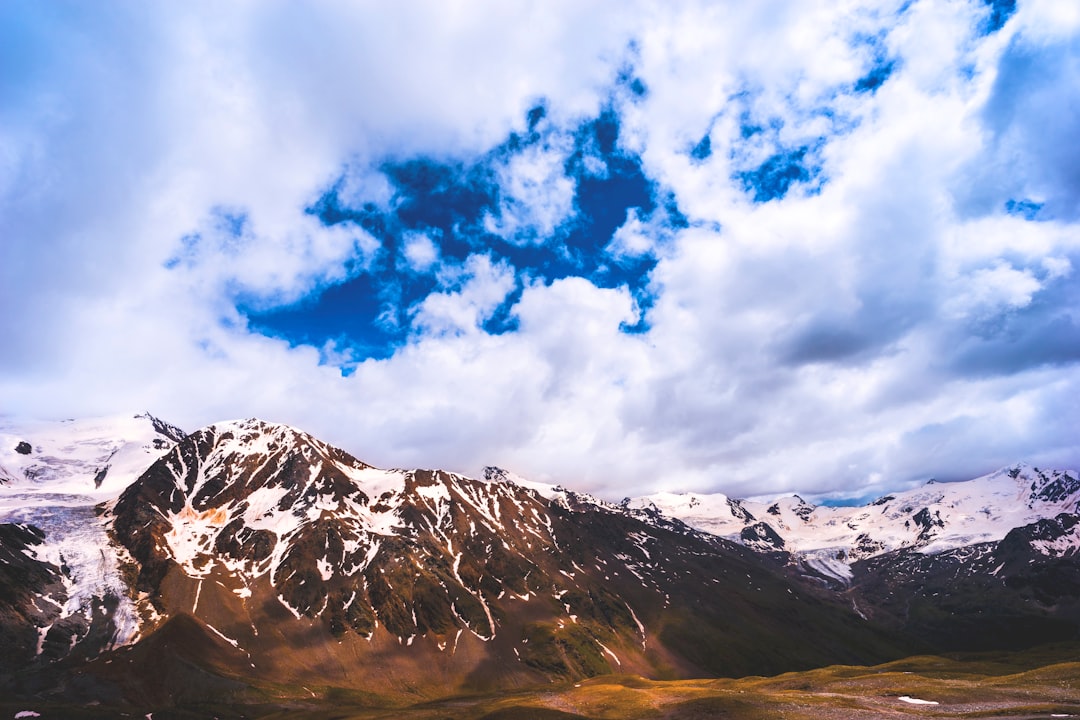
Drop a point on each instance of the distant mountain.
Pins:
(90, 458)
(250, 559)
(931, 519)
(982, 564)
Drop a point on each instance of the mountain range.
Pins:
(143, 566)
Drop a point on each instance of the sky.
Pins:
(816, 246)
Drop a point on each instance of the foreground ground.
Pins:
(1040, 683)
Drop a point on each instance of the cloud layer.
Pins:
(754, 248)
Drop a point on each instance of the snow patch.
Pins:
(917, 701)
(326, 570)
(640, 627)
(829, 565)
(294, 611)
(609, 652)
(374, 482)
(192, 535)
(221, 635)
(262, 511)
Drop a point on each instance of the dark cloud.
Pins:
(1033, 114)
(1046, 332)
(828, 342)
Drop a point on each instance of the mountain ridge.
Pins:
(258, 537)
(984, 509)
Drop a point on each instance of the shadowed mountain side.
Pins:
(180, 664)
(1022, 591)
(23, 579)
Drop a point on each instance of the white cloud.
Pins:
(537, 196)
(990, 290)
(1057, 267)
(483, 287)
(1047, 19)
(634, 238)
(420, 252)
(825, 341)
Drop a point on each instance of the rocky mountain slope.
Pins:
(138, 562)
(272, 538)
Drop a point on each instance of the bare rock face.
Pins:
(761, 536)
(23, 448)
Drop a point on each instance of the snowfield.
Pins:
(916, 701)
(53, 475)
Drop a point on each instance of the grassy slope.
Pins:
(1036, 683)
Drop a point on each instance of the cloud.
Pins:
(536, 195)
(420, 252)
(480, 287)
(752, 247)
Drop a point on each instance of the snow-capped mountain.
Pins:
(931, 519)
(988, 563)
(89, 459)
(259, 552)
(249, 554)
(267, 535)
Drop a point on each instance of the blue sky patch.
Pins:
(1027, 209)
(770, 156)
(876, 77)
(348, 310)
(703, 150)
(999, 13)
(774, 178)
(881, 65)
(459, 207)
